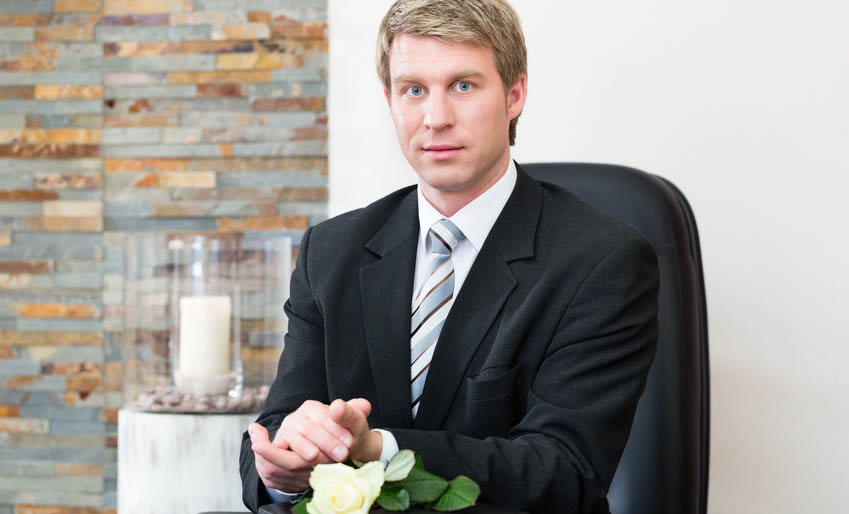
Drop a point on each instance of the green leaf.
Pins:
(300, 508)
(462, 492)
(394, 498)
(423, 486)
(419, 463)
(400, 465)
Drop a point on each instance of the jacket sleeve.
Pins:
(300, 376)
(562, 453)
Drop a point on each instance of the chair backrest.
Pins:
(664, 469)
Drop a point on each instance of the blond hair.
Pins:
(487, 23)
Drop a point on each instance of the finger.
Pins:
(317, 412)
(308, 438)
(257, 432)
(280, 478)
(344, 414)
(285, 459)
(280, 441)
(338, 432)
(300, 444)
(312, 409)
(313, 422)
(361, 404)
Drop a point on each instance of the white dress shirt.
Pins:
(474, 220)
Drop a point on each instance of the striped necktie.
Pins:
(431, 304)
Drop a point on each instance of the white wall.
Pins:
(744, 104)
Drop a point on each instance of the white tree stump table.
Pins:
(179, 463)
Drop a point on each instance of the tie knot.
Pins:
(444, 237)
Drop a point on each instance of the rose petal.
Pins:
(373, 473)
(326, 475)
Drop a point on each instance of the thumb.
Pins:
(258, 433)
(361, 404)
(346, 415)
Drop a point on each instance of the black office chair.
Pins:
(664, 469)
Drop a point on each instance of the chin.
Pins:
(447, 186)
(443, 178)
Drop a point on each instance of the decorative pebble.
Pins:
(163, 399)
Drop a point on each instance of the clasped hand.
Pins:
(313, 434)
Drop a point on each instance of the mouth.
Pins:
(442, 152)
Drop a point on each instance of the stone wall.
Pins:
(119, 116)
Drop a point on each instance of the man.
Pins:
(499, 327)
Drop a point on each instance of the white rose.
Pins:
(341, 489)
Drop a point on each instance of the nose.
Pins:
(438, 112)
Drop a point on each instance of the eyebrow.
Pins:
(408, 79)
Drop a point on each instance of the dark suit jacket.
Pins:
(539, 366)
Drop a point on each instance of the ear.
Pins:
(388, 97)
(516, 96)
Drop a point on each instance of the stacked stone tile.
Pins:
(119, 116)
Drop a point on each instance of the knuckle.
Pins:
(305, 448)
(337, 430)
(311, 428)
(294, 437)
(295, 414)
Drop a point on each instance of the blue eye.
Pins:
(416, 90)
(464, 86)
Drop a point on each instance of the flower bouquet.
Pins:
(353, 487)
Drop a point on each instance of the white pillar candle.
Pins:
(204, 336)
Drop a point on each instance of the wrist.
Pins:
(371, 449)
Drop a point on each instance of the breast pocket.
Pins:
(491, 404)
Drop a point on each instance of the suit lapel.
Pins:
(386, 287)
(481, 298)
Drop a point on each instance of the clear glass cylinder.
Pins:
(198, 308)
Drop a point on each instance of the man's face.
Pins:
(451, 113)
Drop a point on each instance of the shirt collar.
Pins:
(477, 217)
